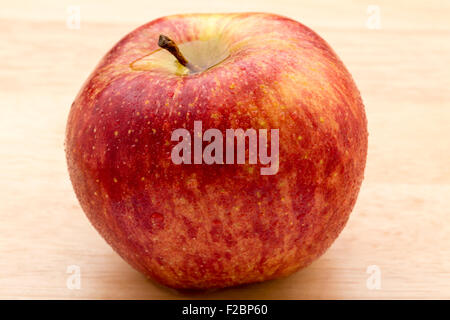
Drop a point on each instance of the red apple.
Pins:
(217, 225)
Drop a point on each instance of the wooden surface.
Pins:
(401, 222)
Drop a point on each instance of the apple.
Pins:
(216, 224)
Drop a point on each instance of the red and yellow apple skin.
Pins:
(211, 226)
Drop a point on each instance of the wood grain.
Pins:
(401, 222)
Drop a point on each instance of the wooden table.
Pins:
(401, 223)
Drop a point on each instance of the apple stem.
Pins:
(168, 44)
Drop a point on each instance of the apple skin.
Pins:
(212, 226)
